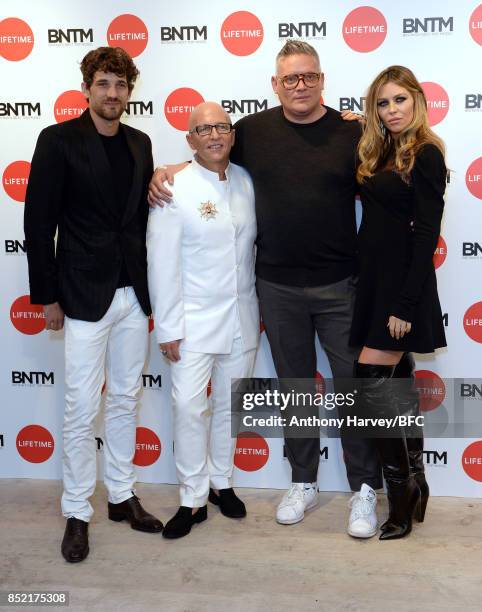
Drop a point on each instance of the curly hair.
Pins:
(377, 146)
(109, 59)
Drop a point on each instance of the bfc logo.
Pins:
(69, 105)
(148, 447)
(179, 105)
(473, 322)
(128, 32)
(35, 444)
(440, 253)
(242, 33)
(475, 25)
(27, 318)
(472, 460)
(15, 180)
(473, 178)
(252, 452)
(431, 389)
(16, 39)
(437, 102)
(364, 29)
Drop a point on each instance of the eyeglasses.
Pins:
(310, 79)
(207, 128)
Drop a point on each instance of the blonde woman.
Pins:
(402, 178)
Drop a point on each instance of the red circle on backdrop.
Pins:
(364, 29)
(35, 443)
(252, 451)
(69, 105)
(473, 322)
(475, 25)
(431, 389)
(128, 32)
(16, 39)
(179, 105)
(148, 447)
(472, 460)
(320, 383)
(242, 33)
(437, 102)
(473, 178)
(26, 317)
(15, 180)
(440, 253)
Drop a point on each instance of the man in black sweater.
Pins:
(302, 159)
(88, 184)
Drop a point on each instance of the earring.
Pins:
(383, 129)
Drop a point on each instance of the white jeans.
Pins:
(203, 444)
(114, 347)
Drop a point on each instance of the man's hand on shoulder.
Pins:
(158, 193)
(54, 316)
(348, 115)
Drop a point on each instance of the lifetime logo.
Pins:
(16, 39)
(242, 33)
(473, 322)
(27, 318)
(70, 36)
(178, 106)
(184, 33)
(35, 444)
(128, 32)
(364, 29)
(431, 389)
(69, 105)
(149, 381)
(435, 458)
(138, 108)
(475, 25)
(440, 254)
(33, 378)
(15, 180)
(148, 447)
(20, 109)
(251, 453)
(472, 460)
(352, 104)
(471, 250)
(473, 178)
(473, 102)
(471, 391)
(244, 107)
(303, 29)
(437, 102)
(428, 25)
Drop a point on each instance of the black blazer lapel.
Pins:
(135, 193)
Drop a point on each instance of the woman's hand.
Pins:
(398, 327)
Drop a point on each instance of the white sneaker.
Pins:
(363, 517)
(301, 496)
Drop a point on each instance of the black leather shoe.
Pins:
(132, 511)
(181, 523)
(75, 545)
(228, 502)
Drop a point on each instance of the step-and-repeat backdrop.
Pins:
(224, 51)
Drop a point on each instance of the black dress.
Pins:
(397, 274)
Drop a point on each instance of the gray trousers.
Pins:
(292, 316)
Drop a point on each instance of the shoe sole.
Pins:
(77, 560)
(362, 537)
(298, 520)
(119, 519)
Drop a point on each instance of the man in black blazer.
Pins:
(88, 183)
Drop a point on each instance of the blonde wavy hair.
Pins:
(377, 146)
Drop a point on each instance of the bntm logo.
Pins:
(70, 36)
(16, 39)
(472, 460)
(437, 102)
(431, 389)
(35, 443)
(473, 322)
(252, 452)
(148, 447)
(69, 105)
(473, 178)
(364, 29)
(242, 33)
(26, 317)
(128, 32)
(244, 107)
(179, 105)
(303, 29)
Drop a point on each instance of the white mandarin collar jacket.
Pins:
(200, 254)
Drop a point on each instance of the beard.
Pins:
(109, 113)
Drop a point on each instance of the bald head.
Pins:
(208, 112)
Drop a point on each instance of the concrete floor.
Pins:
(248, 565)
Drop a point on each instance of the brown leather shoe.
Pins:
(132, 511)
(75, 544)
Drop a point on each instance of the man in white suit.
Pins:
(200, 252)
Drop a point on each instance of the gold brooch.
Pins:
(208, 210)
